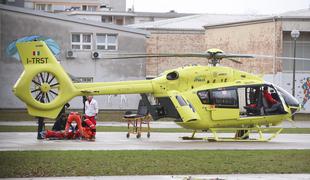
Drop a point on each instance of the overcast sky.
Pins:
(219, 6)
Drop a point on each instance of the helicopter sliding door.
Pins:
(185, 109)
(225, 103)
(260, 100)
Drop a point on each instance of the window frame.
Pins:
(106, 44)
(181, 100)
(43, 7)
(208, 101)
(89, 7)
(236, 105)
(81, 43)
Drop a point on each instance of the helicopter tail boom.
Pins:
(122, 87)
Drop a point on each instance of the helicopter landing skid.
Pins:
(192, 137)
(244, 137)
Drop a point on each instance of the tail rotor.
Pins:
(44, 87)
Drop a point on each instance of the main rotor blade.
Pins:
(234, 55)
(131, 56)
(280, 57)
(234, 60)
(199, 55)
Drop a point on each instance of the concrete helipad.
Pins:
(154, 124)
(15, 141)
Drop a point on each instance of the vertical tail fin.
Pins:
(44, 85)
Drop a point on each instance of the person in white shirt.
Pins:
(91, 109)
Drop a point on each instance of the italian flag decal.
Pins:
(36, 53)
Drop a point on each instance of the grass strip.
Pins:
(160, 162)
(124, 129)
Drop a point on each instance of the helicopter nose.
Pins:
(295, 109)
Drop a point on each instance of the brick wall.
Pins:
(264, 38)
(173, 42)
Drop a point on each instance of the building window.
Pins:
(302, 51)
(119, 21)
(106, 41)
(89, 8)
(43, 7)
(107, 19)
(92, 8)
(81, 41)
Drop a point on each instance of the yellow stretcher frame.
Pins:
(134, 125)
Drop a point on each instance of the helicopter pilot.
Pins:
(273, 105)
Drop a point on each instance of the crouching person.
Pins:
(89, 129)
(85, 130)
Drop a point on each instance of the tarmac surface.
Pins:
(24, 141)
(154, 124)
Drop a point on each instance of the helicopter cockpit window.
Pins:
(289, 99)
(181, 101)
(204, 97)
(225, 98)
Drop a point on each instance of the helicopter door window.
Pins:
(225, 98)
(204, 96)
(242, 100)
(271, 101)
(253, 101)
(181, 101)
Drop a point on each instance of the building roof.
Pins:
(171, 14)
(73, 19)
(129, 13)
(298, 13)
(99, 13)
(194, 22)
(295, 15)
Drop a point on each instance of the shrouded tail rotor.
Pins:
(44, 87)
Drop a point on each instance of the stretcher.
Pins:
(135, 124)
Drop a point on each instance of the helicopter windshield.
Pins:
(289, 99)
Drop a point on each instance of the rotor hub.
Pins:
(45, 87)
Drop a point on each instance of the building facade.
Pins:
(106, 11)
(81, 5)
(79, 40)
(270, 39)
(180, 35)
(123, 17)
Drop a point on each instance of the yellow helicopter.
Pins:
(213, 97)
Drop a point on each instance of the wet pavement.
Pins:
(154, 124)
(20, 141)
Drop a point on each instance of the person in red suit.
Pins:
(273, 104)
(85, 129)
